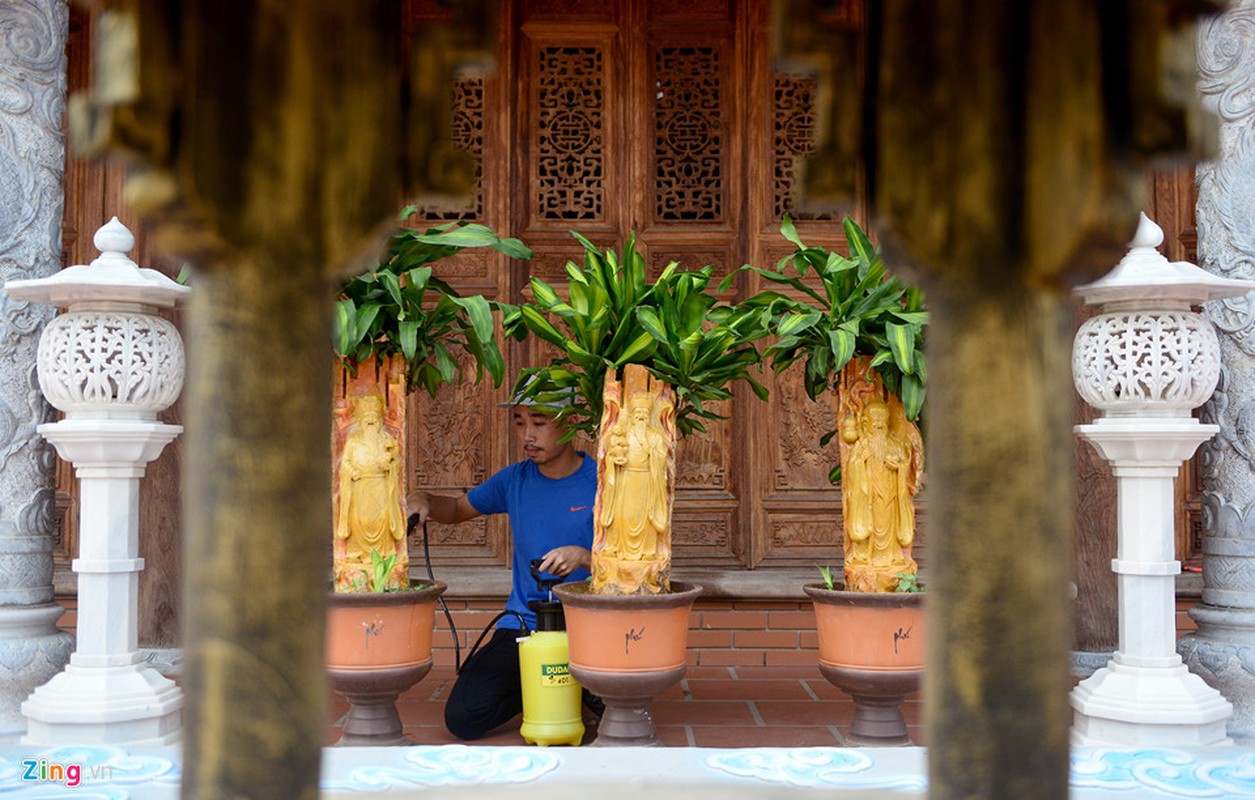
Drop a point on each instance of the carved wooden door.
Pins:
(668, 120)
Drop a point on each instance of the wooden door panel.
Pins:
(456, 441)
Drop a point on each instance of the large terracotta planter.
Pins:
(378, 645)
(871, 646)
(627, 650)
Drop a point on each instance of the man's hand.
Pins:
(439, 508)
(562, 561)
(418, 503)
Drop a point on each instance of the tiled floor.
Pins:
(710, 707)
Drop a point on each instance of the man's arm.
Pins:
(440, 508)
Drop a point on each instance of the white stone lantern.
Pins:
(111, 365)
(1147, 361)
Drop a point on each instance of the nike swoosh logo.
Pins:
(578, 508)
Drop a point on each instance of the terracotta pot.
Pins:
(871, 646)
(378, 645)
(627, 650)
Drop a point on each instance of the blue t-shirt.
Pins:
(544, 514)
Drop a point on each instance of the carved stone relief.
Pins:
(1220, 649)
(1237, 430)
(32, 98)
(32, 157)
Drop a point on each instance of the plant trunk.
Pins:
(635, 486)
(882, 460)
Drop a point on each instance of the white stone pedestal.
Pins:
(111, 364)
(107, 694)
(1145, 696)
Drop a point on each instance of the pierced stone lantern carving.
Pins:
(111, 365)
(1147, 361)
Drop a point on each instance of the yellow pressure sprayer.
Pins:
(551, 697)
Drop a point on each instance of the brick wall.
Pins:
(721, 632)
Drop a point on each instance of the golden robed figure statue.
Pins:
(882, 460)
(635, 473)
(369, 515)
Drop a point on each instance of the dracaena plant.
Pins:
(842, 308)
(399, 307)
(614, 316)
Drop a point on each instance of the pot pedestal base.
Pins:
(878, 696)
(626, 721)
(372, 720)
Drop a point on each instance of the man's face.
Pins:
(538, 435)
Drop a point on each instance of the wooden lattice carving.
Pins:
(570, 163)
(689, 169)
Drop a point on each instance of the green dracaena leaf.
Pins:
(445, 364)
(841, 341)
(793, 324)
(408, 332)
(346, 326)
(545, 295)
(479, 313)
(789, 231)
(640, 348)
(365, 318)
(912, 394)
(902, 345)
(650, 321)
(540, 326)
(860, 246)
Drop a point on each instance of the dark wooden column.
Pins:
(270, 136)
(1008, 145)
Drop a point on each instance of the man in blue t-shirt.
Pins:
(549, 497)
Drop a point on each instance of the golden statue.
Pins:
(369, 515)
(882, 459)
(635, 473)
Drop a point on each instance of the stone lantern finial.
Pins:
(113, 239)
(1148, 234)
